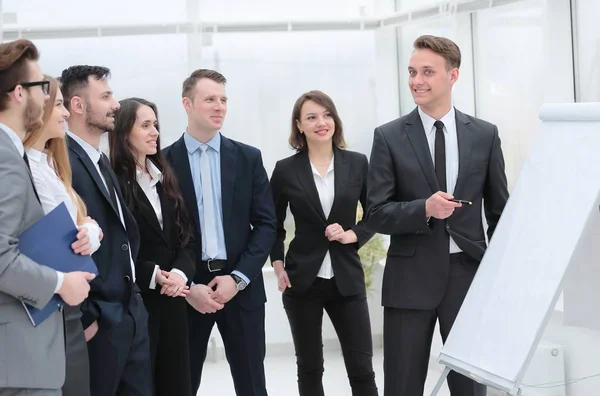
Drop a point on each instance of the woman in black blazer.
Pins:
(322, 184)
(166, 259)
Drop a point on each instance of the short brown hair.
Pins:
(13, 66)
(441, 46)
(190, 83)
(297, 139)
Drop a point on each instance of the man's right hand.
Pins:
(440, 206)
(200, 299)
(75, 287)
(91, 331)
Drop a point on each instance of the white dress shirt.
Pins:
(16, 140)
(451, 140)
(149, 188)
(95, 155)
(326, 189)
(52, 192)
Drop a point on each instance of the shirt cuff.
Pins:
(94, 235)
(153, 278)
(244, 277)
(178, 272)
(60, 277)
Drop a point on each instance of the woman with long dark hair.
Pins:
(322, 184)
(166, 259)
(49, 162)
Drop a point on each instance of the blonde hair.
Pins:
(56, 150)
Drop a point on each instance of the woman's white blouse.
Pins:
(52, 192)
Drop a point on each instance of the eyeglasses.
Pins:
(45, 86)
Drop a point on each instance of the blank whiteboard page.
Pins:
(519, 278)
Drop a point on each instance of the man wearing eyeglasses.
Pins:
(32, 359)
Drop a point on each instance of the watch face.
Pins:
(240, 284)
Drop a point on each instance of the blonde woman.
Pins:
(47, 153)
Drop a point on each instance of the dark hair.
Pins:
(123, 163)
(441, 46)
(13, 66)
(190, 83)
(297, 139)
(74, 79)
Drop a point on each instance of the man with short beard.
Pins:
(114, 317)
(32, 359)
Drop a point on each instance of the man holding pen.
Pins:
(430, 173)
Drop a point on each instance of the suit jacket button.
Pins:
(124, 247)
(127, 278)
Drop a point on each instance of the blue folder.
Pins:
(48, 242)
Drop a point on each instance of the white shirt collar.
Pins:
(428, 121)
(35, 155)
(14, 138)
(155, 173)
(329, 169)
(92, 152)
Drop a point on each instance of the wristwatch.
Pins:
(240, 284)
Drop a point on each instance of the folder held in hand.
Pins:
(48, 242)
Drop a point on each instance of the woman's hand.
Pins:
(283, 281)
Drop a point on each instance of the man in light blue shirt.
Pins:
(196, 150)
(227, 193)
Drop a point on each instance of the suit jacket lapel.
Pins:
(228, 176)
(167, 214)
(418, 140)
(148, 211)
(181, 165)
(307, 181)
(93, 171)
(465, 143)
(341, 170)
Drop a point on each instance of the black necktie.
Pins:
(31, 178)
(104, 168)
(440, 155)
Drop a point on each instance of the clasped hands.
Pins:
(212, 297)
(335, 232)
(172, 284)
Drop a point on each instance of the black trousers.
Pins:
(120, 356)
(407, 336)
(243, 333)
(169, 345)
(350, 318)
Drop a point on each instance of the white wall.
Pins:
(588, 49)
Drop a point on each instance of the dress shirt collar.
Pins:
(428, 121)
(329, 169)
(92, 152)
(36, 156)
(14, 138)
(192, 144)
(155, 173)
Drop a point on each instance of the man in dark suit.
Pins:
(420, 163)
(114, 317)
(227, 193)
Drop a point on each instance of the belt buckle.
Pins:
(210, 269)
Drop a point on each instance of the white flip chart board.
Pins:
(554, 204)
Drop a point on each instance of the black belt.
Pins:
(215, 265)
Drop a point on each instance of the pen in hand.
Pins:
(460, 201)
